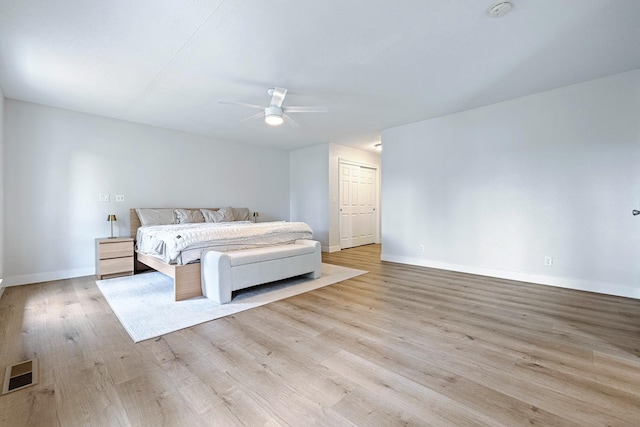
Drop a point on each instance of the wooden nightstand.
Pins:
(114, 257)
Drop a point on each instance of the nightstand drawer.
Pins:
(116, 265)
(115, 250)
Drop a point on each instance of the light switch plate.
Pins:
(103, 198)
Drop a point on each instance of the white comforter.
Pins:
(184, 243)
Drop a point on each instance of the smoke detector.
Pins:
(500, 9)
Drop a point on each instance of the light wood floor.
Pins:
(400, 345)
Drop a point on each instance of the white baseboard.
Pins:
(330, 249)
(1, 287)
(48, 277)
(560, 282)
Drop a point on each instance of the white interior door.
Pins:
(357, 205)
(367, 211)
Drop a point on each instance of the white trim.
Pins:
(560, 282)
(49, 276)
(331, 248)
(1, 288)
(352, 162)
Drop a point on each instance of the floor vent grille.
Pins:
(20, 375)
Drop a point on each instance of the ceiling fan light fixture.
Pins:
(273, 116)
(273, 119)
(274, 113)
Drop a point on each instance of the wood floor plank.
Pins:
(428, 406)
(451, 382)
(368, 408)
(400, 345)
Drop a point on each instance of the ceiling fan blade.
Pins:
(301, 109)
(277, 97)
(261, 113)
(243, 104)
(290, 121)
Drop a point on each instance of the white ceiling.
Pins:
(374, 63)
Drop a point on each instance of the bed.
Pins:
(175, 249)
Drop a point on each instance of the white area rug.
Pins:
(144, 302)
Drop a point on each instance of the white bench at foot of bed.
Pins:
(225, 272)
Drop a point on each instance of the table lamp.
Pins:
(111, 218)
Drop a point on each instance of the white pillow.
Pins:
(221, 215)
(156, 216)
(186, 216)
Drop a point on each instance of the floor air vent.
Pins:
(20, 375)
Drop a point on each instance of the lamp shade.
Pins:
(273, 119)
(273, 115)
(111, 218)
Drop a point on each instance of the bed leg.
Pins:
(186, 283)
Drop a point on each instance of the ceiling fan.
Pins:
(274, 114)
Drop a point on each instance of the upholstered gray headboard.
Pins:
(240, 214)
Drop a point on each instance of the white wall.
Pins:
(496, 189)
(309, 176)
(57, 162)
(1, 192)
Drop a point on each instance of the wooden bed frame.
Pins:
(187, 280)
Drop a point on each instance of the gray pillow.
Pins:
(155, 216)
(240, 214)
(187, 216)
(221, 215)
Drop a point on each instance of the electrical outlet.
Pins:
(103, 198)
(548, 261)
(421, 248)
(119, 197)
